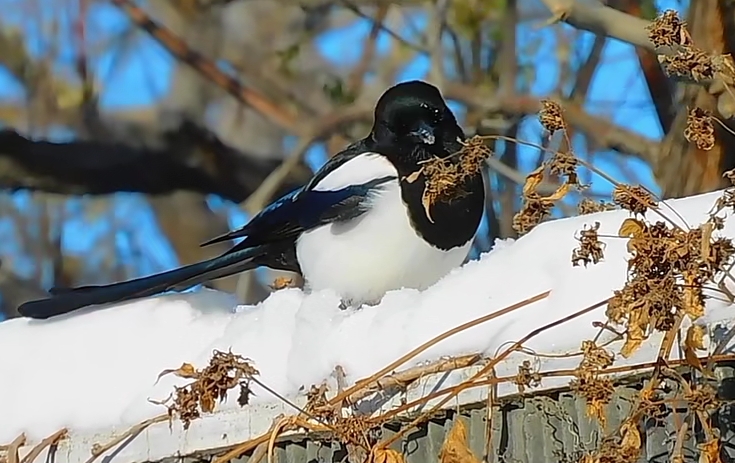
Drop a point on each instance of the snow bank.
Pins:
(94, 371)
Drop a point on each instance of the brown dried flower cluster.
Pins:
(588, 383)
(590, 248)
(702, 398)
(667, 30)
(636, 199)
(700, 129)
(687, 61)
(445, 177)
(550, 116)
(317, 404)
(224, 372)
(536, 207)
(526, 377)
(665, 276)
(590, 206)
(689, 64)
(623, 449)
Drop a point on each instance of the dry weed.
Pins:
(445, 177)
(590, 206)
(625, 448)
(726, 201)
(700, 129)
(550, 116)
(702, 398)
(596, 390)
(665, 276)
(318, 406)
(535, 207)
(687, 61)
(455, 448)
(635, 199)
(590, 248)
(526, 377)
(225, 371)
(667, 30)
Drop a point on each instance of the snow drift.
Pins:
(94, 371)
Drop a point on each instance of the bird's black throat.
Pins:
(452, 222)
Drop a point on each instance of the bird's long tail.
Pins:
(67, 300)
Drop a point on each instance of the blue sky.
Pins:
(138, 75)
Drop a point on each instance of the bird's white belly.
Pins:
(377, 252)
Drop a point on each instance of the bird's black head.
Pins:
(413, 120)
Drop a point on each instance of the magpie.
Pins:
(358, 226)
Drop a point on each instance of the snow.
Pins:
(94, 371)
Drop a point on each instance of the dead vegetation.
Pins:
(444, 177)
(225, 371)
(671, 268)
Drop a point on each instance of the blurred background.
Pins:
(134, 130)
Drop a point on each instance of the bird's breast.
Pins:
(377, 252)
(446, 223)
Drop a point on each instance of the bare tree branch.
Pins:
(593, 16)
(192, 160)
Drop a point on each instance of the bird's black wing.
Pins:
(307, 208)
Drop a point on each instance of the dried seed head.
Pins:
(225, 371)
(668, 30)
(564, 164)
(550, 116)
(700, 129)
(633, 198)
(526, 377)
(534, 210)
(689, 63)
(590, 206)
(445, 176)
(590, 248)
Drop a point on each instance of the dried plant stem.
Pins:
(703, 420)
(289, 403)
(98, 450)
(492, 398)
(664, 351)
(676, 452)
(402, 378)
(46, 442)
(375, 377)
(484, 371)
(13, 448)
(495, 381)
(243, 448)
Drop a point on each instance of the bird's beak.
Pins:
(424, 133)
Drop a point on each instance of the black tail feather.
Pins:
(65, 300)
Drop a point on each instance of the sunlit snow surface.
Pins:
(96, 370)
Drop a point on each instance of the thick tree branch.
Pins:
(593, 16)
(191, 159)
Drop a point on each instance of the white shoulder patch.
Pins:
(357, 171)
